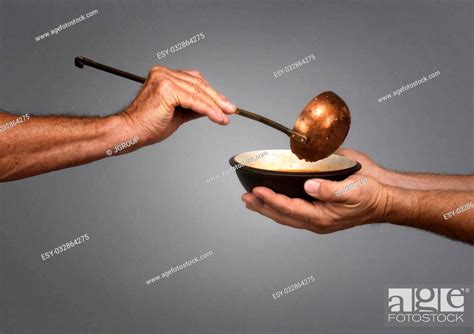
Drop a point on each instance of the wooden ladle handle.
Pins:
(273, 124)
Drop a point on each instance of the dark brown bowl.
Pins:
(284, 173)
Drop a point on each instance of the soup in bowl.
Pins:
(284, 173)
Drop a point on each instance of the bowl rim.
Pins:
(350, 170)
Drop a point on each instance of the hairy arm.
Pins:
(421, 181)
(43, 144)
(427, 181)
(168, 99)
(449, 213)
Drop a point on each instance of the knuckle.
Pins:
(288, 210)
(195, 89)
(155, 76)
(201, 82)
(194, 99)
(164, 85)
(158, 67)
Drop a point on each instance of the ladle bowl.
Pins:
(325, 121)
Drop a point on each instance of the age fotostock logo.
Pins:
(428, 306)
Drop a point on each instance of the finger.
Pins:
(343, 151)
(333, 191)
(158, 74)
(254, 203)
(198, 75)
(257, 205)
(293, 207)
(194, 72)
(181, 97)
(201, 82)
(198, 91)
(353, 154)
(251, 201)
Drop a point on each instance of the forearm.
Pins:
(433, 211)
(47, 143)
(427, 181)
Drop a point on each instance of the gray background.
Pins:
(150, 210)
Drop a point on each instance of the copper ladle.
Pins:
(318, 132)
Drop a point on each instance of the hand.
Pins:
(152, 113)
(336, 209)
(369, 167)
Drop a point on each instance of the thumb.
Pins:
(324, 190)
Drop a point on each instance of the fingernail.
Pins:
(231, 106)
(312, 186)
